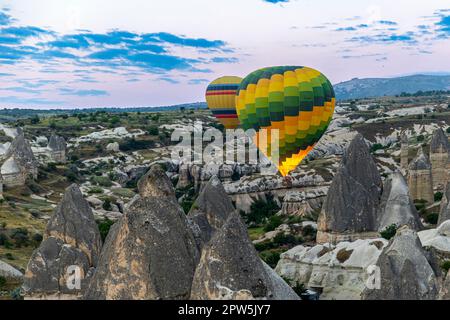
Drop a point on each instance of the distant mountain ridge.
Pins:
(378, 87)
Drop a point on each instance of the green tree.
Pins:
(153, 131)
(35, 119)
(104, 227)
(261, 210)
(114, 120)
(389, 232)
(273, 223)
(107, 205)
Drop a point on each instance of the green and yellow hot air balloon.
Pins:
(298, 101)
(220, 97)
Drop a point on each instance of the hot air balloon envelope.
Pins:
(298, 101)
(220, 97)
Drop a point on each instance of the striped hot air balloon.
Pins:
(220, 97)
(298, 101)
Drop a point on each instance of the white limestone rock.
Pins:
(10, 166)
(113, 147)
(9, 272)
(340, 271)
(438, 238)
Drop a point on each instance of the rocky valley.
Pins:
(97, 197)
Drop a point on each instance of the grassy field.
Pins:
(255, 233)
(18, 218)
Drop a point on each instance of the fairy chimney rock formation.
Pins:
(439, 150)
(156, 183)
(230, 268)
(444, 213)
(407, 271)
(150, 253)
(420, 179)
(19, 163)
(210, 211)
(404, 150)
(71, 248)
(350, 208)
(58, 149)
(12, 174)
(397, 207)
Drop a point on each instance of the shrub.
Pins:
(104, 227)
(153, 131)
(131, 184)
(164, 137)
(16, 294)
(3, 239)
(51, 167)
(102, 181)
(107, 205)
(114, 120)
(95, 190)
(35, 119)
(376, 147)
(188, 197)
(309, 231)
(420, 137)
(7, 244)
(274, 222)
(446, 265)
(389, 232)
(295, 219)
(299, 288)
(9, 256)
(20, 237)
(262, 246)
(187, 205)
(37, 237)
(99, 148)
(438, 196)
(35, 213)
(25, 192)
(270, 257)
(71, 176)
(286, 239)
(260, 210)
(2, 281)
(133, 144)
(235, 176)
(432, 218)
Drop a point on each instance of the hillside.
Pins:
(378, 87)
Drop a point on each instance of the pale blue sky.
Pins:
(86, 53)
